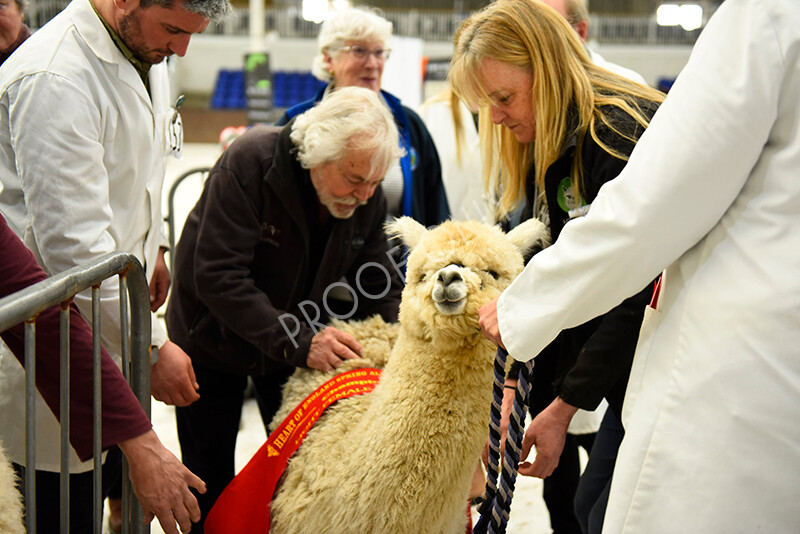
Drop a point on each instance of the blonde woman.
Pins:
(554, 128)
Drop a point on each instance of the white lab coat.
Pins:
(600, 61)
(712, 191)
(82, 167)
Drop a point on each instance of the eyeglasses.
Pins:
(362, 53)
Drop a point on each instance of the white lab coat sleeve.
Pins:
(682, 176)
(65, 184)
(158, 333)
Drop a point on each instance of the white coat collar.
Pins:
(94, 33)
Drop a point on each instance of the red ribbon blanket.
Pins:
(244, 506)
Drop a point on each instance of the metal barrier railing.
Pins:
(24, 306)
(170, 218)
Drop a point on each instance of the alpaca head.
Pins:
(454, 269)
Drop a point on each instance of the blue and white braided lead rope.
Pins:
(492, 470)
(496, 506)
(516, 431)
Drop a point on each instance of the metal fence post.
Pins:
(25, 305)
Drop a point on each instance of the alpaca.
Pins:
(376, 336)
(10, 500)
(400, 459)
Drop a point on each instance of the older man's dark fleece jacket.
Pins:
(253, 250)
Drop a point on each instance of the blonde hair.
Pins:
(568, 93)
(454, 103)
(350, 119)
(350, 24)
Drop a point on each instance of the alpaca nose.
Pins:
(450, 290)
(448, 276)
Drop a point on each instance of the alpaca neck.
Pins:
(426, 386)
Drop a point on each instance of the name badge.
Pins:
(174, 130)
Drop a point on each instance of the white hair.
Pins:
(350, 24)
(352, 118)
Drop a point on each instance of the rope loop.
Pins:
(495, 503)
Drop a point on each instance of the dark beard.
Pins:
(130, 31)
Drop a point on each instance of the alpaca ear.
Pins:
(529, 235)
(407, 229)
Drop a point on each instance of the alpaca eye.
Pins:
(493, 274)
(422, 277)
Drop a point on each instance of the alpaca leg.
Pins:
(478, 482)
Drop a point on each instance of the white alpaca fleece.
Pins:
(376, 336)
(10, 500)
(400, 459)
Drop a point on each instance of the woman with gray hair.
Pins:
(353, 52)
(285, 215)
(12, 30)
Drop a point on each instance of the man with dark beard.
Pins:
(86, 124)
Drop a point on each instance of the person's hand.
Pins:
(330, 347)
(505, 415)
(173, 380)
(161, 483)
(487, 318)
(159, 284)
(547, 432)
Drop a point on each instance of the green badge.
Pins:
(566, 196)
